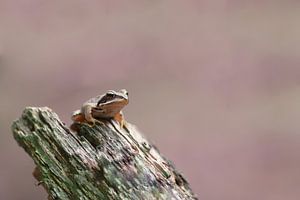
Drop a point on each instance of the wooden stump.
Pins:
(99, 162)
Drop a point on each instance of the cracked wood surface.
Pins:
(100, 162)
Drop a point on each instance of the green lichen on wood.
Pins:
(100, 162)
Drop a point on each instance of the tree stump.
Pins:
(99, 162)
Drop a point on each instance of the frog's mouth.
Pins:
(115, 103)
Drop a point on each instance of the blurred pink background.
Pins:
(214, 84)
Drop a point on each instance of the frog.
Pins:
(106, 106)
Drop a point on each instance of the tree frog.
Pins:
(106, 106)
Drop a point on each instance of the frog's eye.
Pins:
(111, 95)
(123, 91)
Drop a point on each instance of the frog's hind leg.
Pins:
(78, 117)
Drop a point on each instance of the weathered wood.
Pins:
(100, 162)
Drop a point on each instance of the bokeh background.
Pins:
(214, 84)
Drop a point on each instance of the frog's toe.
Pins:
(123, 124)
(92, 122)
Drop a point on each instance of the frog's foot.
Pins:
(123, 124)
(91, 122)
(90, 119)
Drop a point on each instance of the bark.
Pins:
(99, 162)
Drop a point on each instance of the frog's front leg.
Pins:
(87, 112)
(119, 117)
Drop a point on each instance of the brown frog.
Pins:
(106, 106)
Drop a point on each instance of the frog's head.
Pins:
(113, 100)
